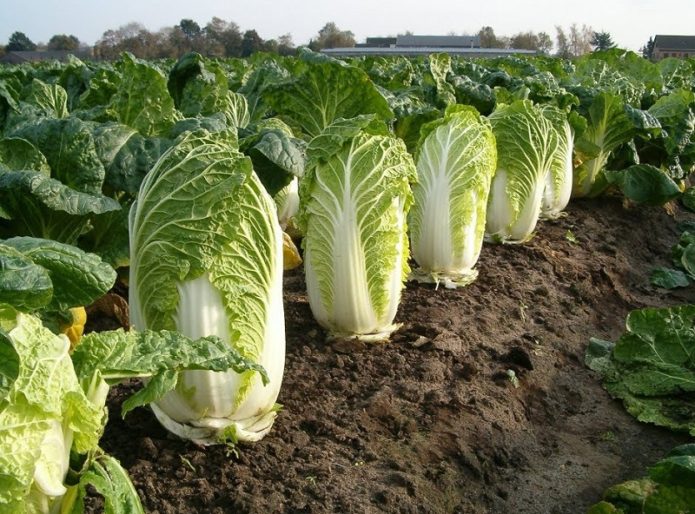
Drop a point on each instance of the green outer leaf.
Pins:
(643, 183)
(109, 237)
(324, 92)
(78, 278)
(43, 207)
(687, 259)
(112, 482)
(652, 366)
(675, 470)
(336, 135)
(608, 127)
(668, 278)
(70, 151)
(200, 87)
(116, 355)
(276, 158)
(23, 284)
(155, 389)
(45, 391)
(688, 199)
(52, 99)
(455, 166)
(142, 100)
(20, 154)
(9, 367)
(669, 489)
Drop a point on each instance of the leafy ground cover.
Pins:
(481, 402)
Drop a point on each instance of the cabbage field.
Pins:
(301, 284)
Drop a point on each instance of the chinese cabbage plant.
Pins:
(526, 146)
(206, 259)
(455, 164)
(53, 408)
(558, 187)
(354, 199)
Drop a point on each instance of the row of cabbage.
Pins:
(170, 168)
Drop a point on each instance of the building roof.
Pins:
(378, 42)
(17, 57)
(415, 51)
(438, 41)
(674, 42)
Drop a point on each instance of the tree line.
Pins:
(220, 38)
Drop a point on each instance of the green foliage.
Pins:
(668, 489)
(19, 42)
(52, 407)
(33, 204)
(75, 278)
(651, 368)
(323, 91)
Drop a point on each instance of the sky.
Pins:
(631, 23)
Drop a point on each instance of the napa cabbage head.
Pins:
(206, 259)
(354, 199)
(558, 186)
(44, 414)
(455, 164)
(526, 144)
(53, 407)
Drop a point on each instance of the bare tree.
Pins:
(580, 39)
(286, 45)
(545, 43)
(575, 43)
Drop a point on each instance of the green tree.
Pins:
(330, 36)
(19, 42)
(190, 28)
(222, 38)
(648, 49)
(602, 41)
(63, 42)
(524, 41)
(251, 43)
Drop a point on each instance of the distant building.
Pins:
(16, 57)
(411, 45)
(378, 42)
(412, 41)
(673, 46)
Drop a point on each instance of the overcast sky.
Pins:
(630, 22)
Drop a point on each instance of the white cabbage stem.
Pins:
(206, 402)
(287, 202)
(351, 313)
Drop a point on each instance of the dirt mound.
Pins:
(481, 402)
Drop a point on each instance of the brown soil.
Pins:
(432, 422)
